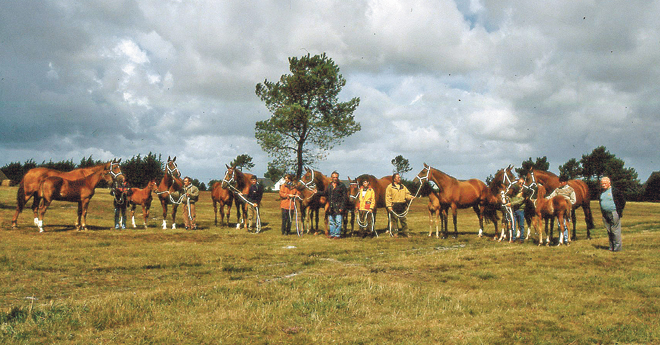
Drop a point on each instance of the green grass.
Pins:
(223, 285)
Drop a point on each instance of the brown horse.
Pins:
(80, 191)
(142, 197)
(557, 207)
(172, 174)
(29, 186)
(310, 204)
(224, 197)
(437, 214)
(582, 195)
(311, 180)
(238, 181)
(457, 194)
(378, 185)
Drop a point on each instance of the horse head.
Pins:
(308, 179)
(424, 174)
(112, 171)
(230, 177)
(172, 168)
(353, 189)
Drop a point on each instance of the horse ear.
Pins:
(168, 158)
(425, 165)
(119, 161)
(227, 166)
(174, 159)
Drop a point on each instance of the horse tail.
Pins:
(20, 197)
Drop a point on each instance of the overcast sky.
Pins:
(468, 87)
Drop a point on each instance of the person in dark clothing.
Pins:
(337, 196)
(612, 203)
(254, 196)
(121, 192)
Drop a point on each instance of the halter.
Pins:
(172, 171)
(114, 174)
(532, 186)
(311, 185)
(358, 190)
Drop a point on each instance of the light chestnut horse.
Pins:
(172, 175)
(310, 204)
(224, 198)
(80, 191)
(29, 186)
(238, 181)
(583, 198)
(311, 180)
(455, 194)
(142, 197)
(557, 207)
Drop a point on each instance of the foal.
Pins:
(142, 196)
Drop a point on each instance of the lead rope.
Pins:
(256, 207)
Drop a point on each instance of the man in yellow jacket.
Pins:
(396, 201)
(366, 204)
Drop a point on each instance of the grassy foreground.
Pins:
(225, 286)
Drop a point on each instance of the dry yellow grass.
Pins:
(222, 285)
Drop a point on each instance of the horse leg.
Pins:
(174, 207)
(588, 217)
(454, 213)
(83, 212)
(42, 211)
(145, 213)
(215, 211)
(163, 203)
(481, 220)
(573, 219)
(36, 201)
(133, 207)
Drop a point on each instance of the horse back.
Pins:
(471, 192)
(581, 189)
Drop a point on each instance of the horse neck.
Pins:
(441, 179)
(547, 178)
(93, 180)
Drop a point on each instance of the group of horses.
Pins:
(487, 200)
(444, 193)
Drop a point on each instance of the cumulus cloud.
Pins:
(467, 85)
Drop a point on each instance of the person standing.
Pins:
(121, 192)
(396, 201)
(190, 198)
(288, 195)
(254, 196)
(612, 203)
(366, 206)
(337, 196)
(517, 203)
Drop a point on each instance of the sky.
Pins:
(467, 87)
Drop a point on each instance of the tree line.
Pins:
(308, 121)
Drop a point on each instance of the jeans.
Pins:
(335, 224)
(519, 219)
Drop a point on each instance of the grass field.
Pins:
(225, 286)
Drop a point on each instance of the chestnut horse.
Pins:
(582, 195)
(378, 185)
(310, 204)
(311, 180)
(238, 181)
(142, 197)
(223, 197)
(457, 194)
(80, 191)
(557, 207)
(172, 174)
(29, 186)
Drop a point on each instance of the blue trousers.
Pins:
(519, 219)
(335, 225)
